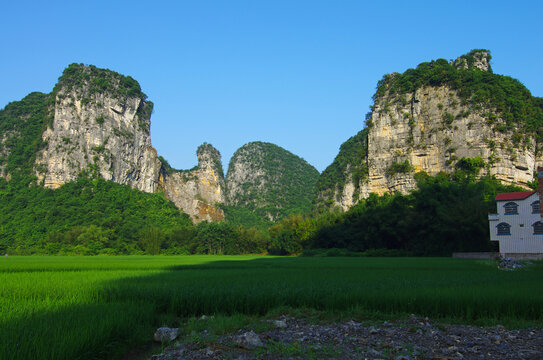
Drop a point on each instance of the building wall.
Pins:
(522, 238)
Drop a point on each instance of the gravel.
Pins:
(415, 338)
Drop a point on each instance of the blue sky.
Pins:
(299, 74)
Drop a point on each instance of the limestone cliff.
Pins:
(270, 180)
(100, 126)
(429, 118)
(431, 132)
(96, 122)
(198, 191)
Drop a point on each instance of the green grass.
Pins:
(98, 307)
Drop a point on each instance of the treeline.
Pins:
(99, 217)
(204, 238)
(446, 214)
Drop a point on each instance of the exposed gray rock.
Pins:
(101, 134)
(352, 340)
(165, 334)
(198, 191)
(508, 263)
(430, 144)
(248, 340)
(477, 59)
(280, 324)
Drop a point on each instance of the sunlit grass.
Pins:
(93, 307)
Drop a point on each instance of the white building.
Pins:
(518, 225)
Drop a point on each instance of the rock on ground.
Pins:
(165, 334)
(413, 339)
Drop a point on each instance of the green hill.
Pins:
(270, 181)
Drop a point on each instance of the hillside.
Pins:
(85, 217)
(96, 123)
(433, 119)
(336, 183)
(270, 181)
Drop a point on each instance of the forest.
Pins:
(447, 213)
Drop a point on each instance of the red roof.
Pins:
(514, 195)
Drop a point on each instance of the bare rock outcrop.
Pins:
(198, 191)
(475, 59)
(430, 130)
(101, 126)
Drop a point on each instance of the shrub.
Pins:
(399, 168)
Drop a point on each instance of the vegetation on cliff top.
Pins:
(93, 80)
(496, 96)
(89, 81)
(281, 183)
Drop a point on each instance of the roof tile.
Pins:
(514, 195)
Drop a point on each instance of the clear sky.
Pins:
(296, 73)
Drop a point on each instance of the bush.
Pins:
(399, 168)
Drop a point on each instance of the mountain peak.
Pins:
(475, 59)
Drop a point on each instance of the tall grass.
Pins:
(96, 307)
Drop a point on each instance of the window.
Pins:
(511, 208)
(535, 207)
(504, 229)
(538, 228)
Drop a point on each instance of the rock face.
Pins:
(270, 180)
(198, 191)
(103, 131)
(475, 59)
(431, 127)
(99, 125)
(430, 133)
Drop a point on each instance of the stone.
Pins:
(374, 353)
(166, 334)
(280, 324)
(248, 340)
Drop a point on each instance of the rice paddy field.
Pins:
(98, 307)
